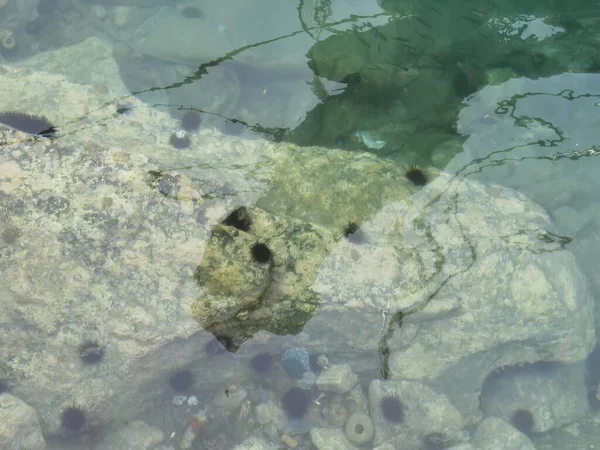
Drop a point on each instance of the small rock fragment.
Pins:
(19, 425)
(338, 378)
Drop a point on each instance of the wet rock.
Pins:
(357, 400)
(122, 15)
(138, 435)
(254, 443)
(338, 378)
(230, 399)
(495, 434)
(425, 286)
(231, 280)
(271, 418)
(552, 395)
(296, 361)
(19, 425)
(359, 428)
(336, 412)
(420, 413)
(328, 438)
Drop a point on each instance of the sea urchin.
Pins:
(261, 253)
(295, 402)
(523, 421)
(181, 380)
(73, 418)
(91, 352)
(353, 233)
(262, 362)
(416, 176)
(392, 409)
(28, 123)
(190, 121)
(180, 140)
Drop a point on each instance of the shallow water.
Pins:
(316, 224)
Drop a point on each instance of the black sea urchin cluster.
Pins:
(36, 125)
(295, 402)
(91, 352)
(73, 418)
(392, 409)
(416, 176)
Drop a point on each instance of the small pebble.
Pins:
(99, 11)
(179, 400)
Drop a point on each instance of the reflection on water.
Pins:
(308, 224)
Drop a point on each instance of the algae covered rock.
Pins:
(229, 276)
(241, 295)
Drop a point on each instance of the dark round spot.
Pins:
(191, 12)
(523, 421)
(351, 228)
(180, 140)
(392, 409)
(352, 79)
(10, 235)
(261, 253)
(538, 59)
(239, 218)
(91, 352)
(34, 27)
(3, 387)
(262, 362)
(416, 176)
(190, 121)
(73, 418)
(181, 380)
(353, 233)
(358, 428)
(295, 402)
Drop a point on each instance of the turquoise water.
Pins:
(307, 224)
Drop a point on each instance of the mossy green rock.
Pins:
(229, 276)
(241, 296)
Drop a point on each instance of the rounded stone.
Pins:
(337, 378)
(359, 428)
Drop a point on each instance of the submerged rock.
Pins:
(495, 434)
(137, 434)
(19, 425)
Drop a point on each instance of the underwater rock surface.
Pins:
(465, 276)
(103, 228)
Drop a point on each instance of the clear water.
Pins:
(382, 232)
